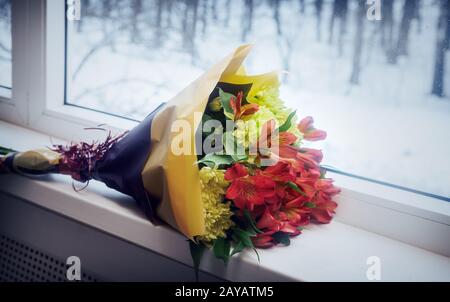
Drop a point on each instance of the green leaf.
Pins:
(300, 228)
(294, 187)
(215, 105)
(310, 205)
(282, 238)
(221, 249)
(225, 100)
(197, 250)
(5, 151)
(251, 221)
(216, 160)
(237, 157)
(243, 236)
(257, 255)
(288, 123)
(239, 247)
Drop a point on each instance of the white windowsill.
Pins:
(334, 252)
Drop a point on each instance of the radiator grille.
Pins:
(21, 263)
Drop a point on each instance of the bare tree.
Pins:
(442, 45)
(360, 15)
(214, 10)
(169, 8)
(159, 13)
(204, 16)
(448, 29)
(409, 12)
(340, 9)
(418, 16)
(193, 27)
(247, 18)
(158, 22)
(189, 25)
(387, 29)
(227, 13)
(318, 4)
(275, 4)
(136, 8)
(287, 31)
(5, 8)
(106, 8)
(302, 6)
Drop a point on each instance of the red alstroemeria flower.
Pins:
(268, 222)
(265, 137)
(313, 174)
(295, 212)
(326, 186)
(313, 154)
(278, 222)
(324, 209)
(264, 240)
(306, 126)
(236, 171)
(282, 171)
(305, 162)
(285, 219)
(246, 190)
(240, 110)
(281, 144)
(281, 193)
(285, 148)
(307, 185)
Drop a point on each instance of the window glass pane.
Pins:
(5, 48)
(379, 87)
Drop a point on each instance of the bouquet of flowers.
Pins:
(222, 162)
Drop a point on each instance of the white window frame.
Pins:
(37, 102)
(38, 39)
(14, 109)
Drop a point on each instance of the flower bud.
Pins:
(215, 105)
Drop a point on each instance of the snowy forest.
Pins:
(381, 88)
(342, 24)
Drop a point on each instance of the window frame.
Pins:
(38, 39)
(4, 98)
(38, 102)
(14, 108)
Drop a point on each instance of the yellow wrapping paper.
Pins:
(174, 179)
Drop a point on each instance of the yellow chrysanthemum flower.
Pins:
(217, 213)
(269, 97)
(249, 128)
